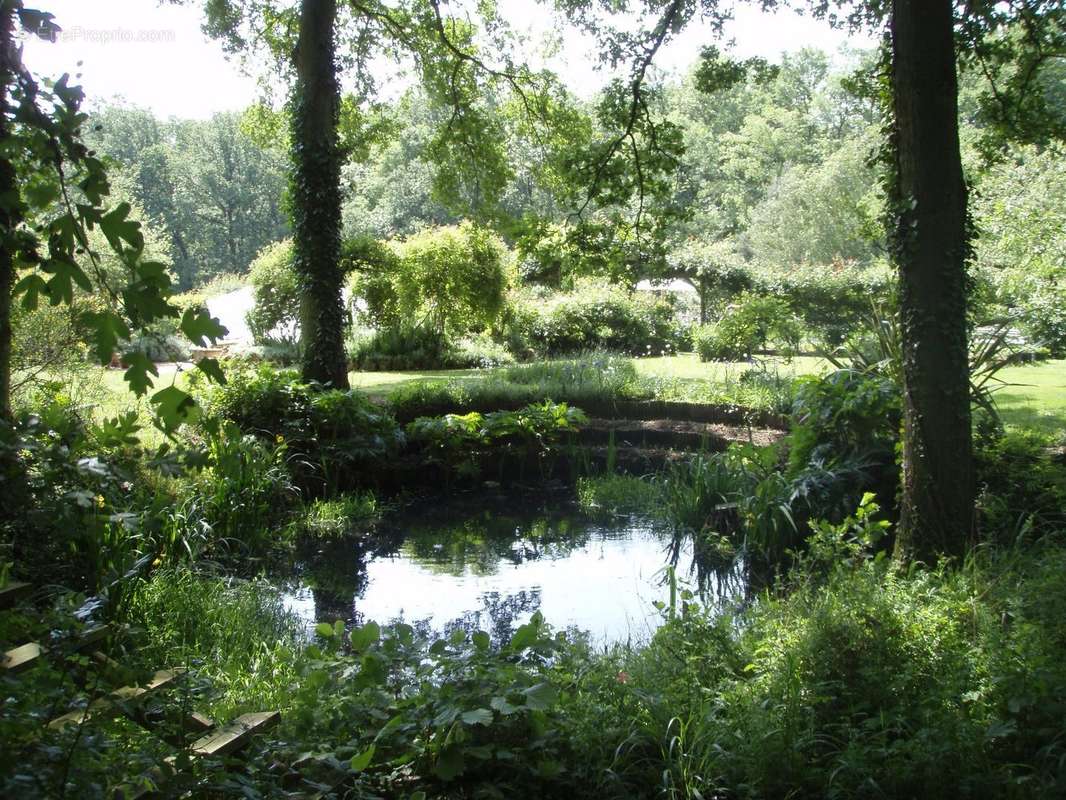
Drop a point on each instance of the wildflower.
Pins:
(622, 677)
(100, 501)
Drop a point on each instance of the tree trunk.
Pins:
(931, 247)
(8, 215)
(316, 196)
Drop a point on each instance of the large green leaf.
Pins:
(173, 408)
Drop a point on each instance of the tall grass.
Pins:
(237, 637)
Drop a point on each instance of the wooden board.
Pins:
(26, 655)
(125, 695)
(236, 734)
(13, 592)
(22, 657)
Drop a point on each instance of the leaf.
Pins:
(117, 431)
(524, 637)
(212, 369)
(107, 329)
(324, 629)
(173, 408)
(450, 764)
(136, 375)
(481, 640)
(31, 287)
(199, 326)
(117, 228)
(362, 637)
(362, 761)
(479, 716)
(504, 707)
(541, 696)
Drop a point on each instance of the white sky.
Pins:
(156, 56)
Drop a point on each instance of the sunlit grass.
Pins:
(1034, 397)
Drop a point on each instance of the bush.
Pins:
(749, 324)
(452, 279)
(594, 316)
(845, 427)
(1019, 485)
(276, 314)
(334, 437)
(405, 348)
(237, 504)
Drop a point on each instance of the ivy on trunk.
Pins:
(931, 248)
(316, 195)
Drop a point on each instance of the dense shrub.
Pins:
(277, 294)
(234, 507)
(334, 437)
(830, 300)
(845, 427)
(451, 279)
(404, 348)
(1019, 484)
(592, 316)
(749, 324)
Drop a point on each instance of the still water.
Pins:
(489, 562)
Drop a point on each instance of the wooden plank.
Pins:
(13, 592)
(236, 734)
(22, 657)
(26, 655)
(127, 694)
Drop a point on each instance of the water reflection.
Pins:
(489, 563)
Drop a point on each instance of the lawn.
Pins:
(1034, 396)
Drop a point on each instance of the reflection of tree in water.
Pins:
(335, 572)
(718, 569)
(497, 617)
(480, 544)
(498, 614)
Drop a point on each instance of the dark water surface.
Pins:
(491, 561)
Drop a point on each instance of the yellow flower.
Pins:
(99, 501)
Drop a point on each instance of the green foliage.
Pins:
(610, 495)
(277, 294)
(590, 375)
(845, 429)
(450, 279)
(593, 316)
(237, 635)
(1020, 249)
(598, 379)
(403, 347)
(462, 441)
(334, 438)
(236, 506)
(910, 683)
(457, 712)
(845, 413)
(211, 192)
(1019, 486)
(47, 227)
(749, 324)
(341, 516)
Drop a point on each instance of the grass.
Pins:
(1034, 397)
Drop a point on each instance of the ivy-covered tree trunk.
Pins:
(8, 195)
(316, 195)
(931, 250)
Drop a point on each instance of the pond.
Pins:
(490, 562)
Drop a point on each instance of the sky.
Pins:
(157, 57)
